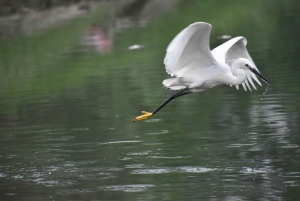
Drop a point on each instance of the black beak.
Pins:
(258, 74)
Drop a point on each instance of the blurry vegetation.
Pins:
(132, 8)
(37, 63)
(8, 7)
(29, 62)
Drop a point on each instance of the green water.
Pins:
(65, 114)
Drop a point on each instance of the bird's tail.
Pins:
(173, 84)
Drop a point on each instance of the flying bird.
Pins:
(195, 68)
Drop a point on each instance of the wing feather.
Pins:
(189, 45)
(247, 84)
(251, 81)
(244, 86)
(232, 50)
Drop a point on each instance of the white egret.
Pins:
(195, 68)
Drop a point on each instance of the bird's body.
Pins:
(195, 68)
(212, 76)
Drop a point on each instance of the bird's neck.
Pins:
(238, 75)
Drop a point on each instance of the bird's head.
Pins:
(248, 65)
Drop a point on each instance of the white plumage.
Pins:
(190, 60)
(195, 68)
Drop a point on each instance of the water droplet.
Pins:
(266, 89)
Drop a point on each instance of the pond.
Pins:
(65, 117)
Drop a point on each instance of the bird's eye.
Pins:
(246, 65)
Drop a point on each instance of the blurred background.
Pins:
(74, 73)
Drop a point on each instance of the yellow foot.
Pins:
(145, 115)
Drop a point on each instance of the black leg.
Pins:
(172, 97)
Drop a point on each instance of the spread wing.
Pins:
(234, 49)
(189, 46)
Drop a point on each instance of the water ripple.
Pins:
(158, 132)
(152, 120)
(289, 146)
(138, 153)
(184, 169)
(169, 157)
(127, 188)
(248, 170)
(120, 142)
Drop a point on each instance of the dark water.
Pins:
(66, 131)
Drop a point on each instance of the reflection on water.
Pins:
(95, 39)
(66, 131)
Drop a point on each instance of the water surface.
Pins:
(66, 131)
